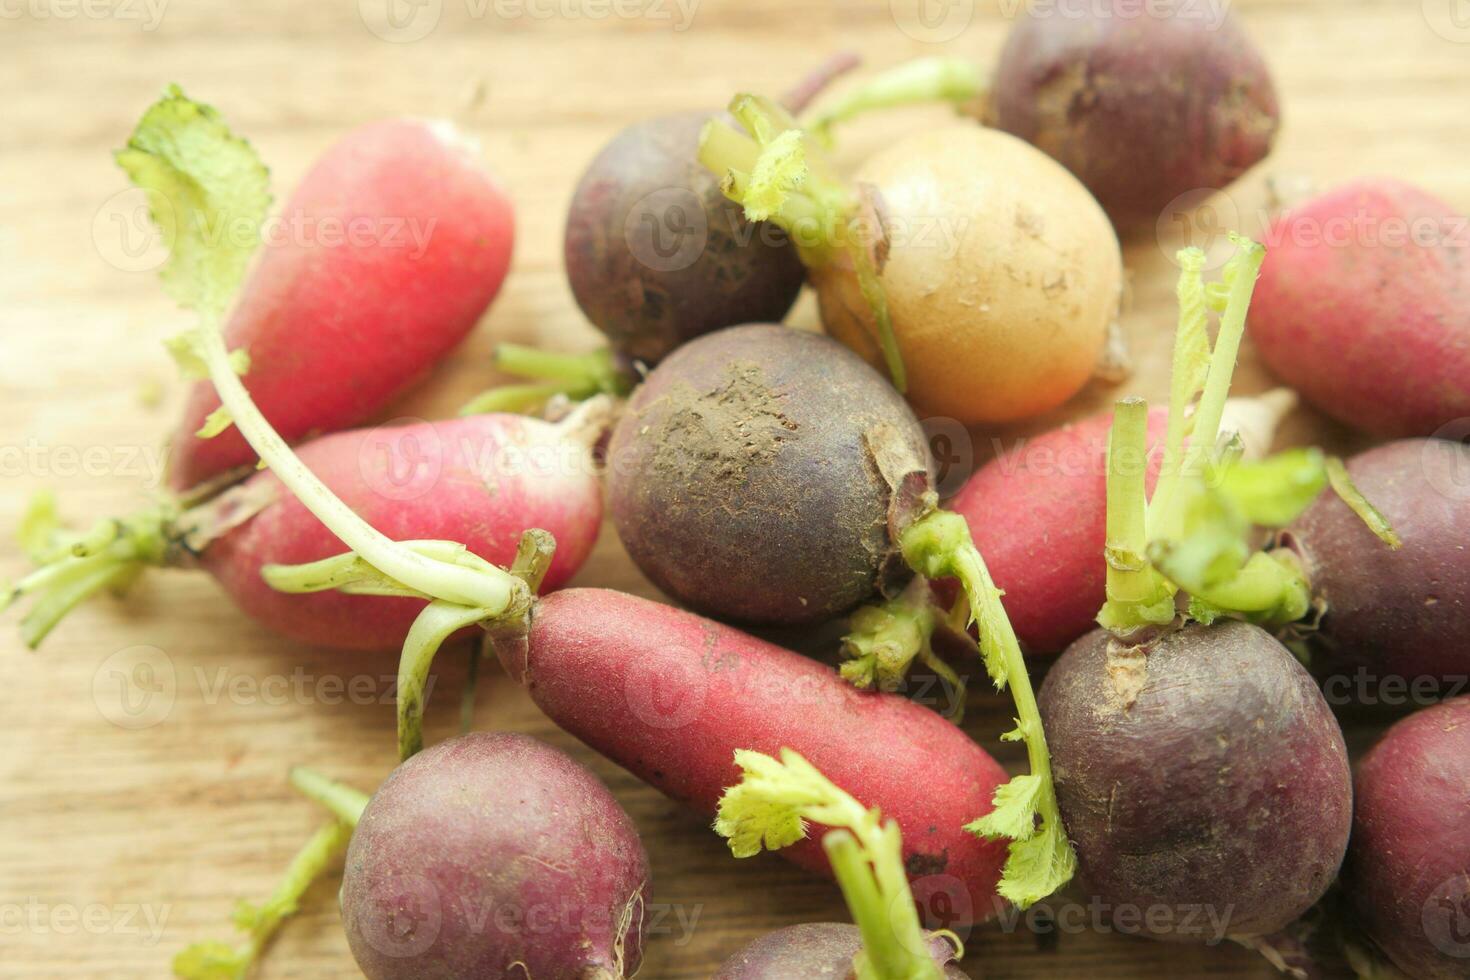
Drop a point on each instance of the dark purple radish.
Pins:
(1201, 771)
(495, 855)
(657, 255)
(816, 951)
(1395, 612)
(1408, 869)
(1143, 105)
(759, 474)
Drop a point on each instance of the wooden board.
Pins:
(140, 797)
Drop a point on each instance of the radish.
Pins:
(976, 268)
(477, 481)
(672, 697)
(1365, 308)
(1200, 769)
(1399, 612)
(471, 860)
(490, 855)
(770, 807)
(1038, 515)
(174, 141)
(1408, 868)
(656, 255)
(1142, 105)
(395, 243)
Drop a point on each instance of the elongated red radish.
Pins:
(671, 696)
(1365, 307)
(480, 481)
(389, 251)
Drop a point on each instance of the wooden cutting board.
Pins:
(141, 796)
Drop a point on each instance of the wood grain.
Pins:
(105, 828)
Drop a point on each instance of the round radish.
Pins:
(1365, 307)
(1408, 869)
(657, 255)
(1401, 612)
(757, 475)
(1200, 769)
(392, 247)
(480, 481)
(494, 855)
(816, 951)
(1142, 105)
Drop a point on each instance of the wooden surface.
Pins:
(107, 829)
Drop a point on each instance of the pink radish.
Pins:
(1365, 307)
(390, 250)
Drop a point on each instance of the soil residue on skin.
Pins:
(1127, 668)
(723, 432)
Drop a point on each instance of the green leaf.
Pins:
(208, 195)
(1274, 492)
(215, 423)
(1344, 487)
(1014, 816)
(1037, 866)
(212, 960)
(40, 527)
(774, 799)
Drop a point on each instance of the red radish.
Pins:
(1039, 516)
(390, 250)
(1408, 868)
(480, 481)
(671, 696)
(1365, 307)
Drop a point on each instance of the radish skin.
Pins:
(481, 481)
(1371, 328)
(671, 696)
(336, 327)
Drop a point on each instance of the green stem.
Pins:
(871, 876)
(923, 80)
(339, 799)
(519, 399)
(1269, 589)
(492, 590)
(1343, 485)
(1127, 503)
(939, 545)
(215, 960)
(577, 376)
(778, 173)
